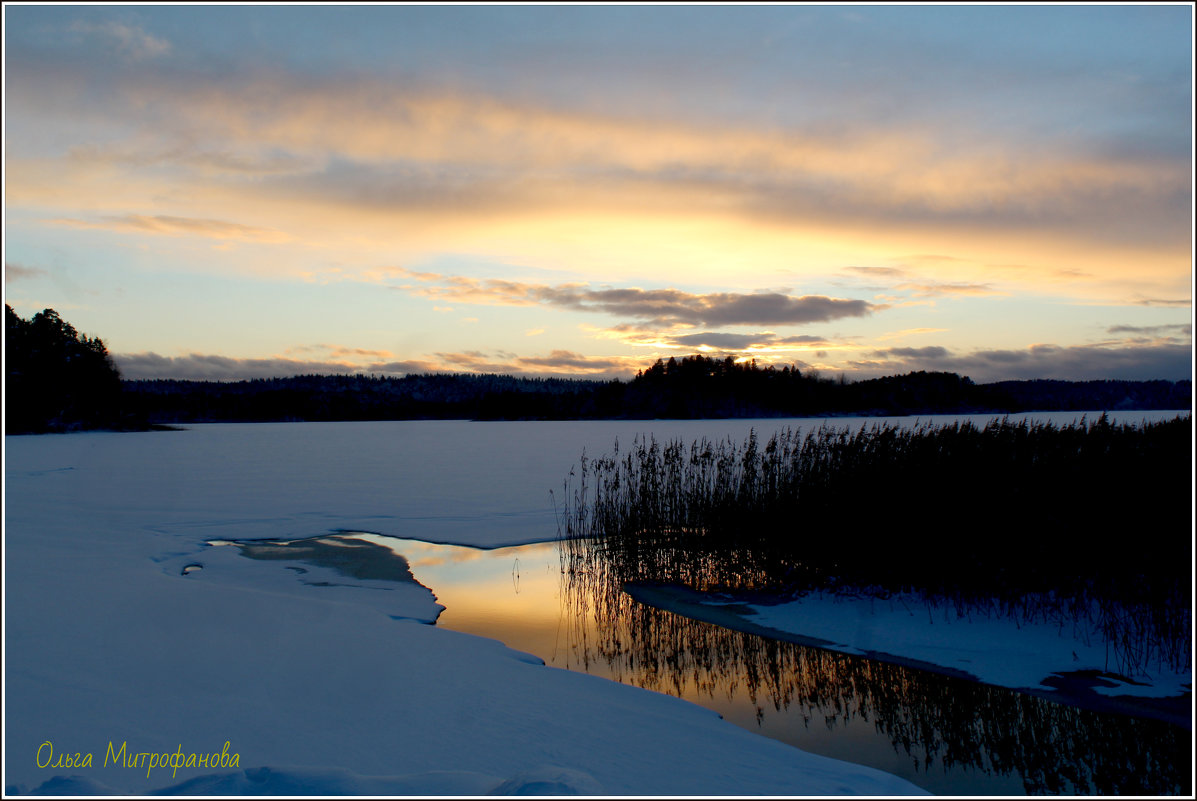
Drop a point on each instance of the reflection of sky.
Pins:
(490, 587)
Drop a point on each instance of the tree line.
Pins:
(59, 380)
(688, 388)
(56, 379)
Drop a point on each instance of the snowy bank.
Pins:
(240, 678)
(1066, 662)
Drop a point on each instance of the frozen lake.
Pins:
(100, 528)
(950, 736)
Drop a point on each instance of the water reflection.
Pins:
(951, 728)
(948, 735)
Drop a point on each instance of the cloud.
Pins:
(719, 341)
(1111, 361)
(903, 279)
(177, 226)
(130, 41)
(248, 163)
(209, 367)
(1185, 329)
(937, 288)
(929, 353)
(555, 363)
(668, 306)
(14, 272)
(878, 272)
(564, 360)
(1082, 362)
(1178, 302)
(407, 366)
(341, 351)
(368, 141)
(663, 307)
(362, 165)
(716, 341)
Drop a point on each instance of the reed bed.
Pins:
(1085, 522)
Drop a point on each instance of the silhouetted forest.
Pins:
(692, 387)
(58, 380)
(365, 397)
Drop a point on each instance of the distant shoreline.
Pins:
(693, 389)
(183, 425)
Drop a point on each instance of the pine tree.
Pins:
(55, 378)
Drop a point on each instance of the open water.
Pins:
(948, 735)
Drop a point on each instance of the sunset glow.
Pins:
(241, 191)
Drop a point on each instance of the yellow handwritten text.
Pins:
(141, 759)
(150, 760)
(46, 750)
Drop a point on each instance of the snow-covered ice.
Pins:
(328, 689)
(996, 649)
(342, 688)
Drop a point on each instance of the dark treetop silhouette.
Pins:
(55, 378)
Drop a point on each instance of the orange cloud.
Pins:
(371, 170)
(465, 149)
(556, 362)
(342, 352)
(177, 226)
(936, 288)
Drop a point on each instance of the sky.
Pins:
(229, 192)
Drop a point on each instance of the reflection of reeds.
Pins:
(940, 723)
(1088, 521)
